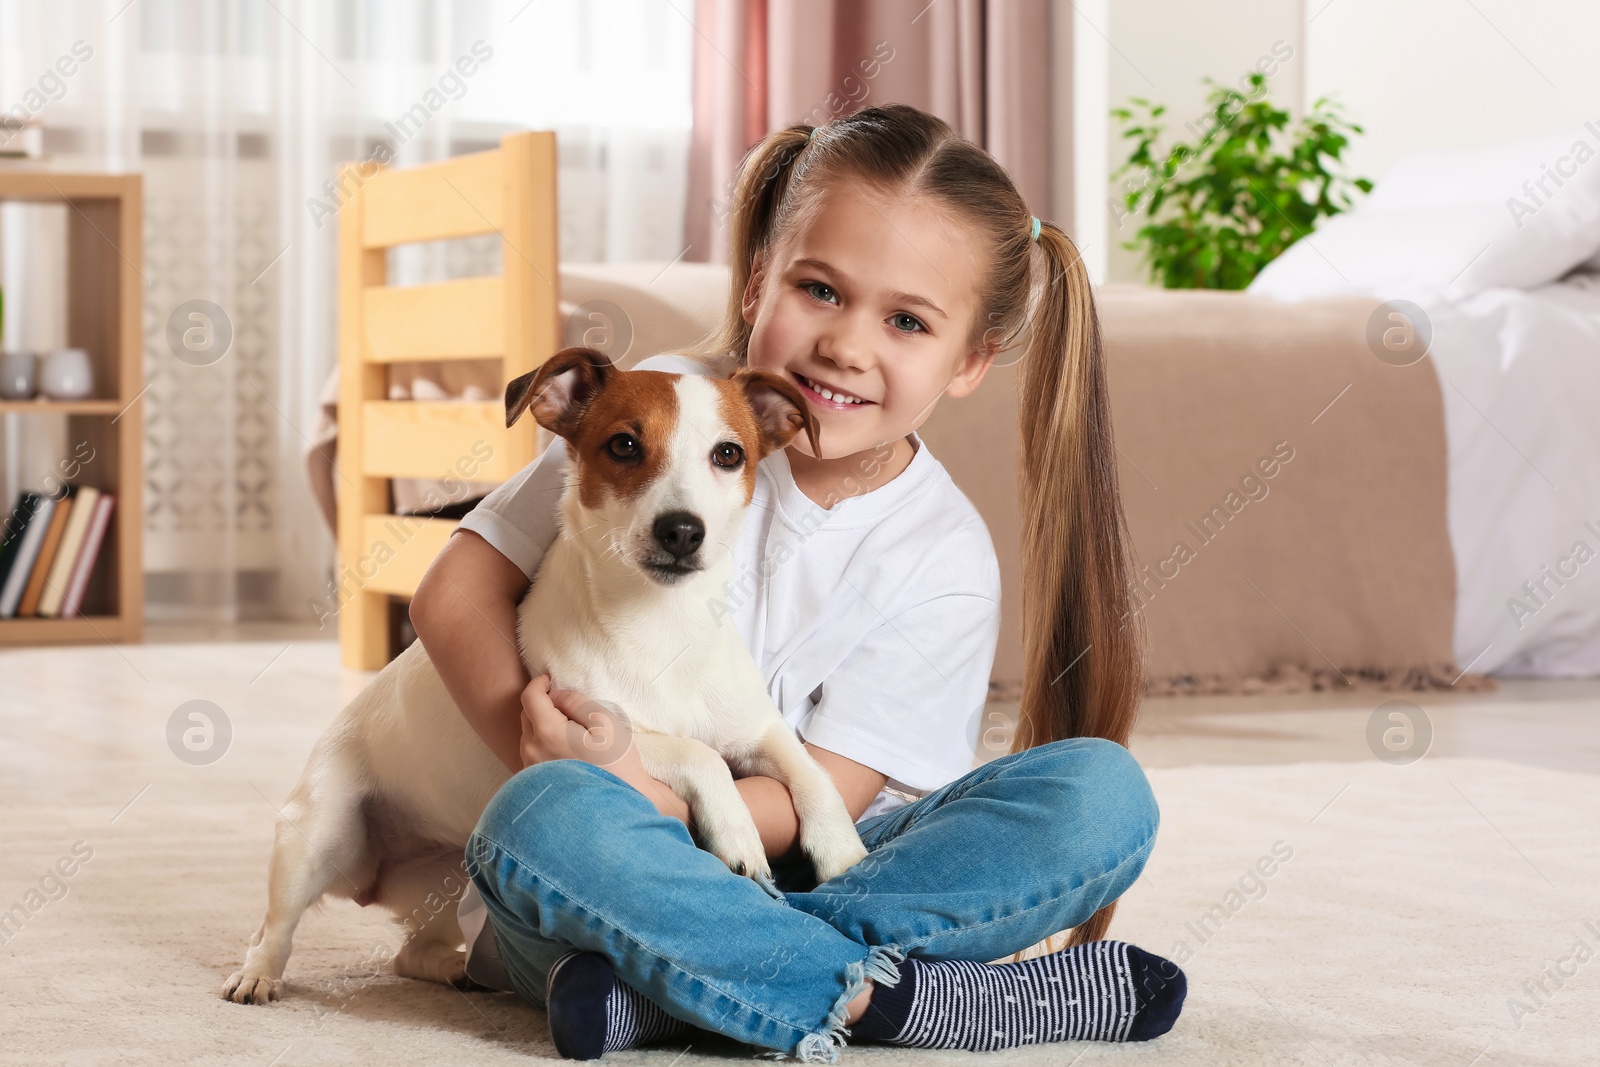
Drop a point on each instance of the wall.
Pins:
(1449, 74)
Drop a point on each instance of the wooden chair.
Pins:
(510, 191)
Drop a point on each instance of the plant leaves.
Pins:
(1222, 206)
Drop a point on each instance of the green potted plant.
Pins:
(1219, 209)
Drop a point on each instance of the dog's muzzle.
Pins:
(678, 536)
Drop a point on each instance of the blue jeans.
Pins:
(568, 855)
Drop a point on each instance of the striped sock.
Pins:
(1102, 991)
(591, 1013)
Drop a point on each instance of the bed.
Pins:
(1499, 265)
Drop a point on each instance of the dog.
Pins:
(662, 469)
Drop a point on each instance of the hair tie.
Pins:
(1035, 236)
(812, 135)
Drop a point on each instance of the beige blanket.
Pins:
(1329, 568)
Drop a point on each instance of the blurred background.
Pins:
(1184, 145)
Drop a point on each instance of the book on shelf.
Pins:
(31, 522)
(47, 553)
(78, 583)
(12, 535)
(72, 538)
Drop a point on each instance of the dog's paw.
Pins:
(243, 987)
(431, 962)
(834, 851)
(737, 843)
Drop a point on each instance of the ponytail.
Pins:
(1083, 648)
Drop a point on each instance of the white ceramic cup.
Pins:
(67, 374)
(19, 375)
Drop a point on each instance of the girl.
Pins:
(881, 262)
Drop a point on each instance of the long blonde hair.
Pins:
(1083, 641)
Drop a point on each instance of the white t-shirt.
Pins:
(874, 622)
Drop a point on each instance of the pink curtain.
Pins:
(981, 65)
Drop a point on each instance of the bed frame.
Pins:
(510, 191)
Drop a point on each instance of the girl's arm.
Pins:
(465, 615)
(773, 808)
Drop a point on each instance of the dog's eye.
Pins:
(623, 446)
(728, 456)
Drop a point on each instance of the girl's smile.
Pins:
(821, 394)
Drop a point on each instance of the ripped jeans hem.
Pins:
(881, 966)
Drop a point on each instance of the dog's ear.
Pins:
(560, 390)
(780, 410)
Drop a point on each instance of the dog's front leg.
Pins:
(827, 833)
(722, 822)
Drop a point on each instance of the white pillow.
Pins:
(1387, 254)
(1465, 221)
(1463, 177)
(1554, 228)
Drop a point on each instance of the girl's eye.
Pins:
(901, 318)
(622, 446)
(813, 287)
(728, 456)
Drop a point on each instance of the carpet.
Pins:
(1326, 913)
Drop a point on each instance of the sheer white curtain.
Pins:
(238, 112)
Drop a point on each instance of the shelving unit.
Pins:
(104, 310)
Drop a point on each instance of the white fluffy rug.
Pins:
(1416, 914)
(1400, 930)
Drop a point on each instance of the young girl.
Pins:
(881, 262)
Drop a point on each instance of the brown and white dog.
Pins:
(662, 468)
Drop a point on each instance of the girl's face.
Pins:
(869, 309)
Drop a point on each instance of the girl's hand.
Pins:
(565, 724)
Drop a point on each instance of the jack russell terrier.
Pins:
(662, 470)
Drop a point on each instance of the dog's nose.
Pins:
(680, 533)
